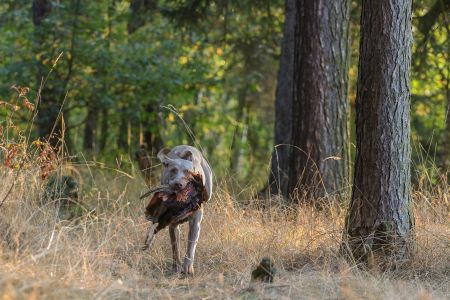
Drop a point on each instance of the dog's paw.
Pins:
(188, 267)
(176, 268)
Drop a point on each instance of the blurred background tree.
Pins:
(124, 73)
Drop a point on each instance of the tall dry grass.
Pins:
(99, 256)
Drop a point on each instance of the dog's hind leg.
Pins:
(174, 232)
(194, 233)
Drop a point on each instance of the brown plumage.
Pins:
(169, 207)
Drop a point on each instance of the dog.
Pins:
(177, 164)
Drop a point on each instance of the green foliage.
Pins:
(162, 66)
(430, 93)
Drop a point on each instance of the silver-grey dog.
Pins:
(177, 163)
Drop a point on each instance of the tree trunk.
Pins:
(145, 156)
(279, 170)
(446, 154)
(427, 21)
(104, 126)
(152, 138)
(380, 220)
(152, 143)
(49, 103)
(311, 112)
(90, 127)
(236, 145)
(104, 131)
(140, 10)
(122, 137)
(52, 94)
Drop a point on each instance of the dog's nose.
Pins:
(177, 185)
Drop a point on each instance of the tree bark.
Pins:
(279, 170)
(122, 137)
(311, 105)
(140, 9)
(380, 219)
(49, 97)
(90, 127)
(145, 155)
(446, 154)
(241, 118)
(40, 10)
(152, 138)
(104, 130)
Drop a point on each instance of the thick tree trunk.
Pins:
(314, 122)
(380, 217)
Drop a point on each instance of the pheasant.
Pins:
(171, 207)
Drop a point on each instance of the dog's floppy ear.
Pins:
(186, 154)
(162, 154)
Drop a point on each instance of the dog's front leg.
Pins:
(194, 233)
(174, 232)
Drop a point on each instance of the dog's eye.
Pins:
(174, 171)
(165, 164)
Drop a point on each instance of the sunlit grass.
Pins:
(98, 255)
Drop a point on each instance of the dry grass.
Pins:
(99, 256)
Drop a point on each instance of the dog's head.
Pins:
(177, 167)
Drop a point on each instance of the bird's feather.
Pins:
(169, 207)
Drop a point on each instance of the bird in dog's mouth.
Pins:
(169, 206)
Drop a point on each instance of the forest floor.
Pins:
(99, 256)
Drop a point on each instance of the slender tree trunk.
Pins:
(235, 142)
(152, 143)
(140, 11)
(152, 138)
(122, 137)
(446, 154)
(380, 217)
(311, 113)
(90, 127)
(49, 101)
(279, 170)
(104, 132)
(445, 160)
(428, 20)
